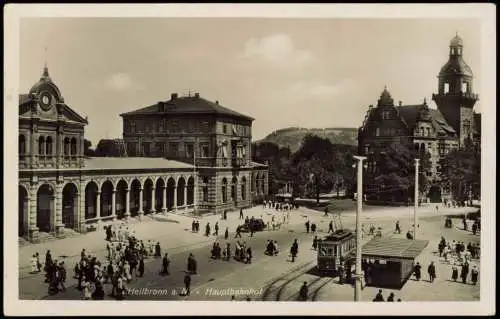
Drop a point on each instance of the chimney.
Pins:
(161, 106)
(197, 95)
(174, 96)
(400, 103)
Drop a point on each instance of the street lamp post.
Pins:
(416, 200)
(357, 292)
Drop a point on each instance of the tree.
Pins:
(461, 172)
(87, 148)
(394, 180)
(320, 166)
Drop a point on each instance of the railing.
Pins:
(465, 94)
(221, 162)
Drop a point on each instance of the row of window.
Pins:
(423, 131)
(46, 146)
(388, 131)
(162, 126)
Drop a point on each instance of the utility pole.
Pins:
(416, 200)
(357, 292)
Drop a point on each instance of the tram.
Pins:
(335, 250)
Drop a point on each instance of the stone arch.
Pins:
(435, 194)
(171, 184)
(91, 190)
(190, 191)
(121, 198)
(45, 207)
(23, 229)
(22, 145)
(181, 185)
(224, 190)
(234, 189)
(73, 146)
(107, 189)
(204, 185)
(244, 188)
(41, 145)
(66, 146)
(147, 193)
(49, 149)
(159, 191)
(135, 189)
(70, 200)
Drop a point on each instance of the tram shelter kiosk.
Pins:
(389, 261)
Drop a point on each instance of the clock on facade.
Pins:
(45, 101)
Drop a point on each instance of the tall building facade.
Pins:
(62, 190)
(215, 139)
(424, 129)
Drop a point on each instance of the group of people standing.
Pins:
(279, 205)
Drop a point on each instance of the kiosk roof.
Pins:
(394, 247)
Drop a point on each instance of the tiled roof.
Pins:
(188, 105)
(255, 164)
(121, 163)
(394, 247)
(409, 113)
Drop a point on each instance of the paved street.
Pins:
(266, 278)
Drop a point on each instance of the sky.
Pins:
(284, 72)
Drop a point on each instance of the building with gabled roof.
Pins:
(422, 128)
(60, 188)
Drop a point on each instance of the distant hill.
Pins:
(293, 136)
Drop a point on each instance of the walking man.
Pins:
(216, 227)
(307, 226)
(474, 274)
(465, 272)
(165, 264)
(398, 228)
(330, 227)
(226, 233)
(187, 284)
(432, 271)
(238, 232)
(241, 213)
(294, 250)
(304, 290)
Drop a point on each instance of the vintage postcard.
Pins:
(231, 159)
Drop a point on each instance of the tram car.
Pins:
(336, 250)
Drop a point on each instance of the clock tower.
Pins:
(455, 98)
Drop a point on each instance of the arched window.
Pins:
(446, 87)
(234, 191)
(41, 145)
(224, 190)
(73, 146)
(66, 146)
(22, 145)
(48, 146)
(243, 188)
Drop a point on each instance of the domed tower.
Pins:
(455, 98)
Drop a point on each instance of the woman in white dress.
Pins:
(34, 264)
(126, 270)
(87, 295)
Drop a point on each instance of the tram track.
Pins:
(274, 289)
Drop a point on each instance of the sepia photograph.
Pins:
(224, 159)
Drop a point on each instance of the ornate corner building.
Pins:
(184, 155)
(434, 130)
